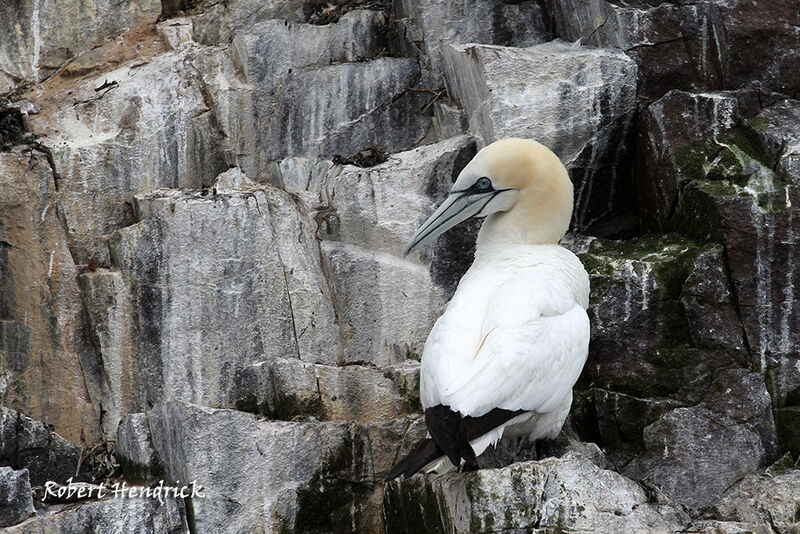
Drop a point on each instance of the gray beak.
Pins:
(456, 208)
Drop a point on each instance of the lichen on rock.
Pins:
(203, 212)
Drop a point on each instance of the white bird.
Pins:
(504, 356)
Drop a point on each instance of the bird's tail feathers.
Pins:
(421, 455)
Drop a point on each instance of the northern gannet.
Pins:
(503, 357)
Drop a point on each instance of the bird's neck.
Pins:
(528, 222)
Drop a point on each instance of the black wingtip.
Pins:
(423, 453)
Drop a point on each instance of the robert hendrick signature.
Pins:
(78, 491)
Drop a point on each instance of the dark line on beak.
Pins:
(428, 230)
(423, 228)
(427, 233)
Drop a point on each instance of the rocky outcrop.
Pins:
(41, 324)
(203, 209)
(298, 475)
(15, 490)
(32, 446)
(40, 41)
(110, 515)
(568, 493)
(577, 101)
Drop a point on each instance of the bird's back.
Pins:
(515, 334)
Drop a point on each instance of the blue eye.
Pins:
(483, 184)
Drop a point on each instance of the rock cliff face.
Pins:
(203, 207)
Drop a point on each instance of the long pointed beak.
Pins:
(456, 208)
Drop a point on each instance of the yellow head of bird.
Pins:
(519, 185)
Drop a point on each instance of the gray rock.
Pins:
(450, 120)
(694, 455)
(295, 476)
(387, 115)
(675, 46)
(267, 51)
(386, 306)
(135, 448)
(294, 389)
(706, 45)
(569, 493)
(666, 130)
(742, 395)
(31, 446)
(379, 103)
(221, 21)
(37, 40)
(219, 280)
(381, 207)
(16, 502)
(669, 304)
(430, 25)
(737, 199)
(176, 32)
(151, 129)
(768, 501)
(550, 93)
(104, 296)
(729, 527)
(779, 128)
(709, 306)
(140, 515)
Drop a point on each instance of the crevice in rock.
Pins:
(191, 521)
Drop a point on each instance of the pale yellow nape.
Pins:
(543, 208)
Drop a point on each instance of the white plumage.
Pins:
(515, 335)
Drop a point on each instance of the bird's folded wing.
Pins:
(529, 351)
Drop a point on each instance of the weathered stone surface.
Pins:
(687, 394)
(665, 129)
(30, 445)
(135, 447)
(386, 306)
(110, 515)
(175, 32)
(450, 120)
(431, 24)
(150, 128)
(16, 503)
(37, 39)
(292, 301)
(265, 475)
(741, 202)
(707, 300)
(378, 103)
(380, 208)
(388, 114)
(703, 45)
(42, 337)
(222, 20)
(577, 101)
(199, 267)
(268, 50)
(289, 388)
(770, 501)
(779, 128)
(675, 46)
(764, 42)
(694, 455)
(104, 296)
(569, 493)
